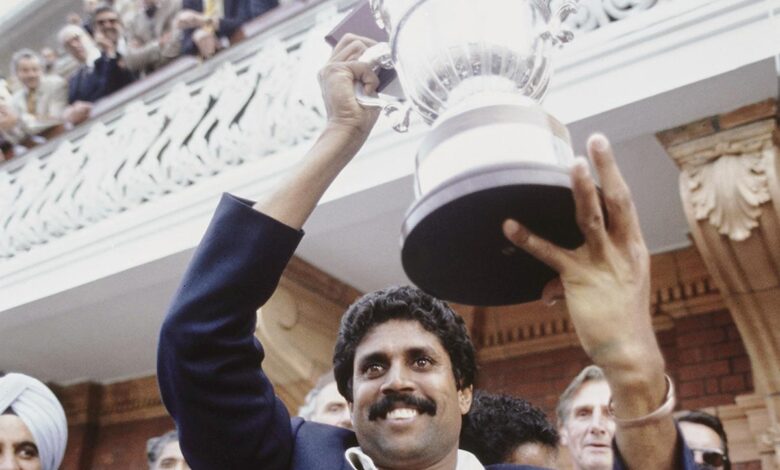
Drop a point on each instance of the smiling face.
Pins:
(589, 427)
(407, 409)
(107, 22)
(331, 408)
(28, 71)
(74, 45)
(17, 446)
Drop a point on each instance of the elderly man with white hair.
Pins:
(33, 428)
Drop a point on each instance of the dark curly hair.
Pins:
(497, 424)
(403, 303)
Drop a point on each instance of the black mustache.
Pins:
(387, 404)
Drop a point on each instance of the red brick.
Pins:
(752, 465)
(693, 323)
(700, 371)
(732, 349)
(704, 402)
(691, 356)
(690, 389)
(536, 389)
(722, 318)
(732, 383)
(711, 386)
(741, 364)
(749, 381)
(701, 337)
(666, 338)
(528, 375)
(733, 333)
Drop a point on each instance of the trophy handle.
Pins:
(559, 32)
(379, 57)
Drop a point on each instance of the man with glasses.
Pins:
(705, 436)
(110, 70)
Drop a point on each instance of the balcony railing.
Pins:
(594, 14)
(171, 131)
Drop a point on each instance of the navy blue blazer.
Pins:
(106, 77)
(237, 12)
(210, 363)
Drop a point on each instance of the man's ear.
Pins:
(465, 396)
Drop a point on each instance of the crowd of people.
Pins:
(401, 394)
(106, 47)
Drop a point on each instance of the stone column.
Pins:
(731, 196)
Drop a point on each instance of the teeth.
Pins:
(402, 413)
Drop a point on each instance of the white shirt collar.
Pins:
(360, 461)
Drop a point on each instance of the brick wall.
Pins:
(711, 364)
(704, 355)
(114, 446)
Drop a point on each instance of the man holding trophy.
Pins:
(403, 359)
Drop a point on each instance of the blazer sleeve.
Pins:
(209, 361)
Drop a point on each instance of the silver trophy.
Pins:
(476, 72)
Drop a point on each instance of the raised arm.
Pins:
(606, 284)
(348, 127)
(209, 362)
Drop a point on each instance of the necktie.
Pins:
(32, 102)
(214, 9)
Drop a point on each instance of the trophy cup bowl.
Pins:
(476, 71)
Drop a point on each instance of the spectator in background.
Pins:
(151, 41)
(84, 84)
(207, 25)
(49, 58)
(706, 437)
(10, 130)
(324, 404)
(585, 421)
(504, 429)
(86, 18)
(164, 453)
(42, 99)
(108, 33)
(33, 428)
(99, 73)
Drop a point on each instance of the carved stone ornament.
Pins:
(772, 439)
(594, 14)
(727, 183)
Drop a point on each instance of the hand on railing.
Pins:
(77, 112)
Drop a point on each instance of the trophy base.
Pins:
(453, 244)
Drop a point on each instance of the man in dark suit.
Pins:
(100, 72)
(207, 25)
(403, 360)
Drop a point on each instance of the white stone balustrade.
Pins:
(593, 14)
(246, 109)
